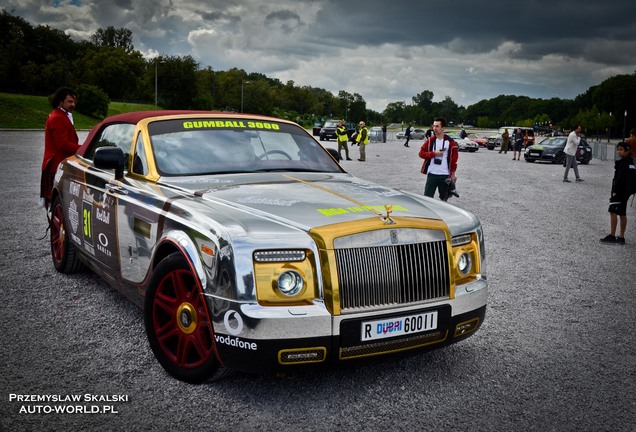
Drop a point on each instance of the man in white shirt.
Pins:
(440, 160)
(570, 153)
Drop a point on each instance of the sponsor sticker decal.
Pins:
(233, 322)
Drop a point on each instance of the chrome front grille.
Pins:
(384, 276)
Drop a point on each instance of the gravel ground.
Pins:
(556, 352)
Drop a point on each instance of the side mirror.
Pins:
(334, 153)
(110, 158)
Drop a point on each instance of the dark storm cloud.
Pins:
(286, 19)
(481, 26)
(386, 51)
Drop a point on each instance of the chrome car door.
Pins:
(139, 207)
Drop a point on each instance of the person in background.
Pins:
(505, 141)
(517, 144)
(60, 140)
(383, 133)
(622, 188)
(342, 137)
(407, 134)
(570, 149)
(632, 141)
(440, 155)
(362, 139)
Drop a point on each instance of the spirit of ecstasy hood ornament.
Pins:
(387, 219)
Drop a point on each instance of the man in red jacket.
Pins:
(60, 139)
(440, 160)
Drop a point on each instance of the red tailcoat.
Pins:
(60, 140)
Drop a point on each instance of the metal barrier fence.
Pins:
(603, 151)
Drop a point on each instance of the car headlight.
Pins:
(285, 277)
(290, 283)
(464, 263)
(467, 258)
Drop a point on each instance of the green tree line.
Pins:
(36, 60)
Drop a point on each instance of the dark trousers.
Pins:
(436, 182)
(342, 145)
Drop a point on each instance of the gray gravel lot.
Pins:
(556, 352)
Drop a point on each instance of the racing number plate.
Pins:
(398, 326)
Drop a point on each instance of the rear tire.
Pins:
(64, 253)
(178, 324)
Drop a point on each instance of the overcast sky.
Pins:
(386, 51)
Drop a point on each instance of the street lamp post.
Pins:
(624, 126)
(242, 85)
(156, 92)
(155, 83)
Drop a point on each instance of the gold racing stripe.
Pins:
(356, 202)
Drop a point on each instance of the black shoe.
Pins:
(620, 241)
(579, 180)
(349, 159)
(610, 239)
(361, 160)
(566, 181)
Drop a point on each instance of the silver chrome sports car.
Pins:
(250, 248)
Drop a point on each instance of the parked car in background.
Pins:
(328, 130)
(375, 134)
(495, 140)
(551, 150)
(417, 134)
(241, 238)
(480, 140)
(316, 129)
(464, 144)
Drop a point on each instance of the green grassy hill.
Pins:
(30, 112)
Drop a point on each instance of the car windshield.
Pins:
(553, 142)
(331, 124)
(214, 146)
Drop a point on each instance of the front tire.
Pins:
(64, 253)
(178, 324)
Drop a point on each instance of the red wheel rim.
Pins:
(181, 321)
(57, 234)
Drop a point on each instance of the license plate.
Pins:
(535, 154)
(398, 326)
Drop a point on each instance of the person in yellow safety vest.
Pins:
(362, 138)
(341, 135)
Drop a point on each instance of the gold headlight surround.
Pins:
(466, 244)
(267, 274)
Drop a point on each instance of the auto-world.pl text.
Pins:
(67, 404)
